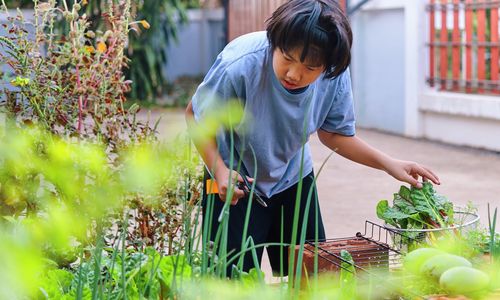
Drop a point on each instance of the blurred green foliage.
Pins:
(148, 276)
(60, 195)
(61, 190)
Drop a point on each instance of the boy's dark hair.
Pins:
(319, 27)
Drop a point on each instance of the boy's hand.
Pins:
(410, 172)
(223, 176)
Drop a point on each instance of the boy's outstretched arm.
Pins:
(213, 161)
(355, 149)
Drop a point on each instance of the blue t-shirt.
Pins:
(274, 118)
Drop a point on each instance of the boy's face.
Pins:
(291, 72)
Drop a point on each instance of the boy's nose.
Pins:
(293, 76)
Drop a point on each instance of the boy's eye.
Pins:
(287, 57)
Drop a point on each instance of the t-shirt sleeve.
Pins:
(216, 89)
(340, 118)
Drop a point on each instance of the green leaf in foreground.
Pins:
(348, 282)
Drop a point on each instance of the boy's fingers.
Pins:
(425, 173)
(238, 193)
(435, 178)
(428, 174)
(239, 189)
(234, 200)
(414, 182)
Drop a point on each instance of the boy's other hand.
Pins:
(410, 172)
(223, 176)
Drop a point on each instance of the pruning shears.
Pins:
(245, 186)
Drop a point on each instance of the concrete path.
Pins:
(349, 192)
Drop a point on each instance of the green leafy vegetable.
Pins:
(417, 209)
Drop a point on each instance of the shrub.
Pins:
(73, 86)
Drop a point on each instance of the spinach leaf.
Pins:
(382, 208)
(417, 209)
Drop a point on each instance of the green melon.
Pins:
(414, 260)
(464, 280)
(436, 265)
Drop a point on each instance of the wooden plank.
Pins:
(252, 6)
(481, 49)
(246, 16)
(233, 16)
(432, 36)
(229, 16)
(494, 49)
(443, 58)
(468, 49)
(455, 55)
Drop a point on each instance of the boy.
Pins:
(293, 80)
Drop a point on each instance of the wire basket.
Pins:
(464, 223)
(371, 252)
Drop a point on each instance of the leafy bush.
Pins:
(57, 197)
(72, 86)
(146, 49)
(29, 3)
(60, 194)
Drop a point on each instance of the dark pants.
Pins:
(265, 223)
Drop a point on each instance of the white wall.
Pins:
(390, 64)
(387, 65)
(461, 119)
(378, 69)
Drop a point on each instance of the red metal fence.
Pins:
(464, 45)
(246, 16)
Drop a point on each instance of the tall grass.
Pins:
(298, 270)
(294, 277)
